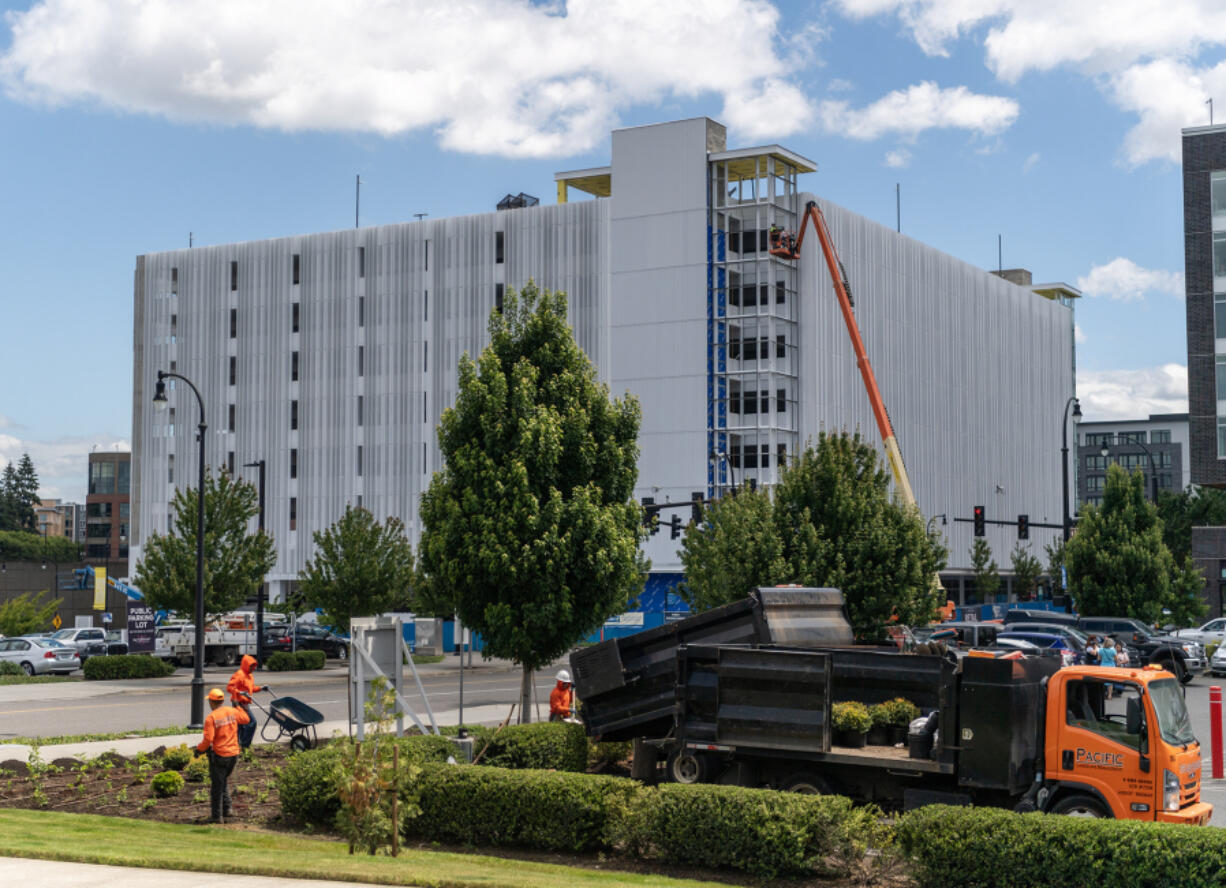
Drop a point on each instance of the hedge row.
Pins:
(125, 666)
(293, 661)
(955, 847)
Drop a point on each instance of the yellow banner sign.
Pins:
(99, 588)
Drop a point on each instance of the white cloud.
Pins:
(898, 158)
(488, 76)
(62, 465)
(917, 108)
(1142, 53)
(1031, 162)
(1124, 281)
(1133, 394)
(1079, 335)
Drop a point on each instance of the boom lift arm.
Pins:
(785, 247)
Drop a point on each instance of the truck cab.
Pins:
(1119, 743)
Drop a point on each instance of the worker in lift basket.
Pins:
(240, 687)
(220, 741)
(560, 698)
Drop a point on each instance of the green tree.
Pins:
(27, 613)
(530, 530)
(8, 499)
(1187, 604)
(25, 494)
(1026, 572)
(1117, 562)
(1055, 560)
(1180, 512)
(987, 574)
(735, 549)
(360, 567)
(235, 561)
(840, 527)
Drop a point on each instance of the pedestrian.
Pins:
(240, 687)
(1106, 655)
(1092, 656)
(1121, 656)
(220, 741)
(560, 698)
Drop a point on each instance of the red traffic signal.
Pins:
(980, 521)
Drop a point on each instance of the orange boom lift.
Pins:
(785, 246)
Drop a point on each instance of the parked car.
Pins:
(116, 641)
(37, 656)
(1046, 641)
(306, 638)
(88, 641)
(1213, 632)
(969, 633)
(1217, 665)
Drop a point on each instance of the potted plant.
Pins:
(902, 713)
(879, 734)
(851, 722)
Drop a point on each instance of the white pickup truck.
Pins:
(1213, 632)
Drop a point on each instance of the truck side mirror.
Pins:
(1134, 715)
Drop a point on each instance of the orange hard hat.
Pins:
(216, 694)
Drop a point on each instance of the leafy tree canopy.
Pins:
(19, 496)
(987, 573)
(360, 568)
(836, 525)
(1180, 512)
(1117, 561)
(27, 613)
(1026, 572)
(235, 561)
(530, 530)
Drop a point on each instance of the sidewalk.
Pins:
(15, 871)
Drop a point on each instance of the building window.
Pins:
(781, 400)
(233, 276)
(1095, 482)
(294, 318)
(170, 469)
(230, 462)
(174, 326)
(1219, 315)
(423, 457)
(361, 262)
(234, 323)
(293, 367)
(359, 460)
(233, 369)
(293, 415)
(1221, 570)
(361, 311)
(297, 268)
(360, 405)
(1219, 257)
(174, 282)
(1160, 436)
(1131, 437)
(425, 355)
(425, 413)
(1164, 481)
(425, 307)
(361, 360)
(1098, 439)
(125, 511)
(103, 510)
(781, 348)
(230, 411)
(498, 295)
(427, 261)
(293, 513)
(498, 247)
(1217, 190)
(102, 477)
(1221, 438)
(293, 462)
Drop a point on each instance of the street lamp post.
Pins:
(1076, 405)
(719, 454)
(259, 598)
(159, 402)
(1105, 451)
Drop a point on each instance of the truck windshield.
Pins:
(63, 633)
(1173, 722)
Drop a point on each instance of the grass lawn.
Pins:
(89, 738)
(31, 679)
(89, 838)
(427, 659)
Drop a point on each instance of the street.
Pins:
(79, 707)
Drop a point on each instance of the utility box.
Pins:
(428, 634)
(463, 749)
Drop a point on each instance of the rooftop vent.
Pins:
(518, 201)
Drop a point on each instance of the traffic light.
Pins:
(1023, 527)
(651, 515)
(980, 521)
(696, 507)
(674, 525)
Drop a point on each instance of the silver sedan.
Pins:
(37, 656)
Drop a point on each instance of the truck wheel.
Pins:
(228, 656)
(1079, 806)
(806, 784)
(1184, 674)
(688, 766)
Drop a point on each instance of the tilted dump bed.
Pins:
(629, 685)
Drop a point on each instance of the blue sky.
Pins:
(127, 124)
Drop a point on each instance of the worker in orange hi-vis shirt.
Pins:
(560, 699)
(221, 743)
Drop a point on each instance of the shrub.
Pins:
(309, 659)
(544, 745)
(955, 846)
(167, 783)
(9, 668)
(538, 809)
(609, 753)
(850, 715)
(176, 758)
(197, 770)
(902, 711)
(125, 666)
(762, 831)
(880, 714)
(306, 785)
